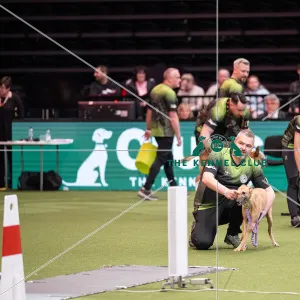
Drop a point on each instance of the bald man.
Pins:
(223, 75)
(163, 124)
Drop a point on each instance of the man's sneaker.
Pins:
(232, 240)
(146, 194)
(295, 222)
(191, 244)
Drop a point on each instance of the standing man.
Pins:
(291, 161)
(102, 86)
(164, 99)
(230, 172)
(295, 90)
(235, 84)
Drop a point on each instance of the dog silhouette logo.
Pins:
(200, 147)
(234, 148)
(92, 170)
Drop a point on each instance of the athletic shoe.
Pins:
(295, 222)
(146, 194)
(232, 240)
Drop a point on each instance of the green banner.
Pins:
(103, 154)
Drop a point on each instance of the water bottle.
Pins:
(48, 136)
(30, 134)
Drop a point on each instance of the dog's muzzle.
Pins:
(242, 199)
(239, 203)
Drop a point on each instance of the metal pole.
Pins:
(41, 169)
(57, 159)
(22, 160)
(6, 166)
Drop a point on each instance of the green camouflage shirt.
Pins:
(229, 86)
(165, 100)
(221, 122)
(288, 136)
(225, 170)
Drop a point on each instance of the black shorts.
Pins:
(289, 163)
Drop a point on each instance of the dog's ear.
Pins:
(250, 190)
(257, 151)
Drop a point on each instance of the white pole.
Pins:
(177, 231)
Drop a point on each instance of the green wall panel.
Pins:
(87, 165)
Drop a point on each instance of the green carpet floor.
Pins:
(51, 222)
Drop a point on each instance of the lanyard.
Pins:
(5, 100)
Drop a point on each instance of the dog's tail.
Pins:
(69, 183)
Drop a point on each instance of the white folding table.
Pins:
(41, 144)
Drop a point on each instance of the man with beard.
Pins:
(223, 174)
(235, 84)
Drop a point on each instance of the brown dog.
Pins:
(255, 200)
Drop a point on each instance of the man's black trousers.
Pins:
(5, 135)
(163, 158)
(291, 171)
(205, 229)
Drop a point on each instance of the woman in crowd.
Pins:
(140, 85)
(185, 112)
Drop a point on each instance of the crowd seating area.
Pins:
(157, 34)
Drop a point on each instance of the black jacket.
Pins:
(281, 116)
(130, 85)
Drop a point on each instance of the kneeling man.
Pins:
(226, 172)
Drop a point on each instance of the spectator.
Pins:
(272, 103)
(164, 99)
(213, 90)
(189, 88)
(141, 86)
(235, 84)
(185, 112)
(295, 90)
(11, 107)
(102, 86)
(256, 102)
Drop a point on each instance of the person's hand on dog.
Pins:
(231, 194)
